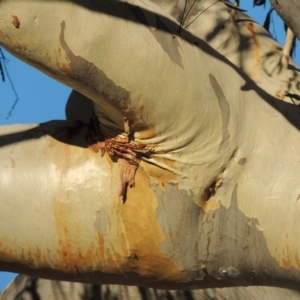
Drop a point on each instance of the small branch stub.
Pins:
(127, 152)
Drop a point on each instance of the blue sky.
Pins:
(42, 98)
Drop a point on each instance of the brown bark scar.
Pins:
(127, 173)
(15, 21)
(212, 189)
(123, 147)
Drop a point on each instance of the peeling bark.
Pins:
(127, 152)
(225, 161)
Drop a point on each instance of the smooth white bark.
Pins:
(241, 40)
(216, 204)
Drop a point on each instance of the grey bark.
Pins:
(289, 11)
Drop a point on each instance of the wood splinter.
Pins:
(127, 152)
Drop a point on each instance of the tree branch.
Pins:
(289, 11)
(202, 211)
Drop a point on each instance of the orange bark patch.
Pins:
(147, 134)
(62, 64)
(284, 256)
(105, 235)
(286, 260)
(250, 27)
(297, 260)
(66, 251)
(144, 235)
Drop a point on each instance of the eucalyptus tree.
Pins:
(186, 174)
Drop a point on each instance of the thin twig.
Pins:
(201, 13)
(4, 60)
(2, 73)
(189, 11)
(182, 17)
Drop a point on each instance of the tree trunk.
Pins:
(214, 200)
